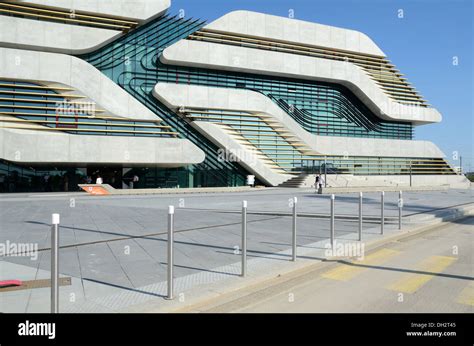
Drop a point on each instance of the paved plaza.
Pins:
(115, 244)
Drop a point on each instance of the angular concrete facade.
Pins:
(214, 56)
(86, 88)
(176, 96)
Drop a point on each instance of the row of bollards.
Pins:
(382, 214)
(170, 242)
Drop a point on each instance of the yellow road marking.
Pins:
(412, 282)
(345, 272)
(466, 296)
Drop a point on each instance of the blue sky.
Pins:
(422, 45)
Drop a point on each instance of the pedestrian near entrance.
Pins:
(99, 180)
(317, 181)
(320, 185)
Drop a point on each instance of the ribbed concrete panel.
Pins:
(71, 71)
(26, 146)
(295, 31)
(140, 10)
(242, 59)
(53, 37)
(179, 95)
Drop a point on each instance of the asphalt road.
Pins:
(428, 272)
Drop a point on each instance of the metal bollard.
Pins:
(382, 211)
(170, 251)
(400, 206)
(55, 264)
(360, 215)
(244, 238)
(325, 172)
(294, 230)
(332, 220)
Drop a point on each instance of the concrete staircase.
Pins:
(297, 181)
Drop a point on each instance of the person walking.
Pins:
(320, 185)
(316, 183)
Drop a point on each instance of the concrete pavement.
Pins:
(428, 272)
(114, 248)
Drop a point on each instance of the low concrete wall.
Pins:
(398, 182)
(331, 190)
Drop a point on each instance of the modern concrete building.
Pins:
(121, 89)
